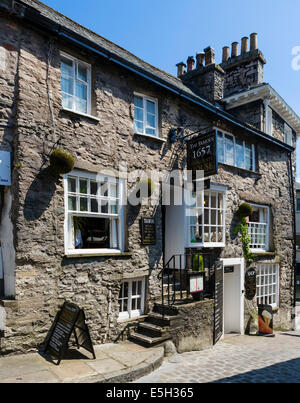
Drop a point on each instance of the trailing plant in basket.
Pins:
(61, 161)
(245, 210)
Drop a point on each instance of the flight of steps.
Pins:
(156, 327)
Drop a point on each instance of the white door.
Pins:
(233, 296)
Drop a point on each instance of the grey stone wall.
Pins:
(251, 113)
(196, 328)
(44, 277)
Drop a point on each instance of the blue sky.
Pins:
(165, 32)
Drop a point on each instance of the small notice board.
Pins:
(148, 231)
(70, 319)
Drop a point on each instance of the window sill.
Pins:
(206, 245)
(85, 115)
(262, 253)
(95, 253)
(240, 170)
(159, 139)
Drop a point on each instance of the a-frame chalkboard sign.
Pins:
(70, 319)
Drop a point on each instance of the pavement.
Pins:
(236, 359)
(123, 362)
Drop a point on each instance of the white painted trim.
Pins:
(155, 101)
(75, 62)
(137, 312)
(241, 263)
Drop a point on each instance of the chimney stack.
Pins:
(234, 49)
(209, 56)
(244, 48)
(225, 55)
(180, 68)
(190, 63)
(253, 41)
(200, 60)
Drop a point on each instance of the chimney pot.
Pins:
(200, 60)
(190, 63)
(244, 48)
(180, 68)
(234, 49)
(253, 41)
(225, 55)
(209, 56)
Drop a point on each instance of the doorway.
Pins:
(233, 305)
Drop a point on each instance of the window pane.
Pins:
(126, 289)
(66, 67)
(83, 204)
(151, 107)
(138, 114)
(94, 188)
(133, 304)
(82, 72)
(104, 188)
(139, 287)
(72, 185)
(67, 101)
(229, 150)
(80, 105)
(94, 206)
(248, 157)
(104, 206)
(81, 91)
(83, 186)
(239, 153)
(138, 127)
(220, 147)
(134, 288)
(113, 207)
(72, 203)
(150, 120)
(138, 101)
(67, 85)
(113, 189)
(138, 301)
(95, 232)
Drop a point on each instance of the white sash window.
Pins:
(94, 213)
(131, 298)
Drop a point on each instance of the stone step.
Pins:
(148, 340)
(158, 319)
(152, 329)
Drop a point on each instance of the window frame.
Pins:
(145, 99)
(259, 286)
(225, 133)
(188, 225)
(131, 314)
(69, 214)
(267, 248)
(76, 62)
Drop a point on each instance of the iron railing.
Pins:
(175, 277)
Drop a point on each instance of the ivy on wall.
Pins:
(245, 210)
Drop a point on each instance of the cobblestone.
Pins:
(236, 359)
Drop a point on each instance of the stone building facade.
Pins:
(41, 266)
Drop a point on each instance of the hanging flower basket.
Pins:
(61, 161)
(245, 210)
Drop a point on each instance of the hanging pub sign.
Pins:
(70, 319)
(219, 284)
(5, 169)
(202, 154)
(148, 231)
(250, 284)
